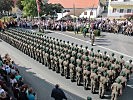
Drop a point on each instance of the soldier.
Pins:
(86, 76)
(116, 90)
(102, 84)
(105, 56)
(123, 79)
(61, 60)
(122, 62)
(94, 80)
(92, 38)
(111, 75)
(72, 70)
(130, 66)
(91, 52)
(66, 67)
(79, 71)
(112, 57)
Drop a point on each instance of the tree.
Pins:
(30, 8)
(50, 9)
(19, 4)
(6, 6)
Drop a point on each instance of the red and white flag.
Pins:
(38, 5)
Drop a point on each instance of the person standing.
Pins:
(92, 38)
(58, 93)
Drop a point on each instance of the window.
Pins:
(114, 10)
(128, 10)
(91, 13)
(85, 13)
(121, 10)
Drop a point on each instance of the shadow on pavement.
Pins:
(41, 86)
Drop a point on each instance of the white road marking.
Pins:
(97, 45)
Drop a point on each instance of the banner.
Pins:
(38, 5)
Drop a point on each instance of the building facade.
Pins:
(119, 8)
(89, 8)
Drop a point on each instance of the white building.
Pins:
(81, 8)
(119, 8)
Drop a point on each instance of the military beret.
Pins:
(117, 62)
(89, 98)
(76, 45)
(110, 67)
(95, 70)
(102, 64)
(98, 50)
(130, 60)
(81, 46)
(91, 49)
(86, 47)
(105, 52)
(64, 41)
(121, 56)
(60, 40)
(113, 54)
(87, 58)
(72, 44)
(67, 41)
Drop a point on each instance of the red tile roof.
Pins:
(77, 3)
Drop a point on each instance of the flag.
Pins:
(38, 5)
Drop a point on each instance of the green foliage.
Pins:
(19, 4)
(97, 32)
(30, 8)
(51, 9)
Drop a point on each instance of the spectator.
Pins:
(57, 93)
(30, 94)
(22, 94)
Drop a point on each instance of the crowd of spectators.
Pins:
(106, 25)
(12, 86)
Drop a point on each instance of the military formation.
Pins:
(94, 70)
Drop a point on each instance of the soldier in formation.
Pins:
(96, 71)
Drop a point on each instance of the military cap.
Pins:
(56, 39)
(72, 44)
(60, 40)
(81, 46)
(110, 67)
(87, 58)
(123, 74)
(89, 98)
(91, 49)
(105, 74)
(121, 56)
(118, 81)
(68, 42)
(76, 45)
(64, 41)
(95, 70)
(102, 64)
(117, 62)
(92, 55)
(98, 50)
(86, 47)
(130, 60)
(113, 54)
(53, 38)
